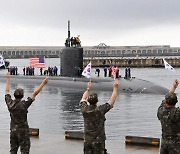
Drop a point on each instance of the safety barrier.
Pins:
(136, 140)
(129, 140)
(34, 131)
(74, 134)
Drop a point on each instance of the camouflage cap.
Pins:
(93, 98)
(19, 93)
(171, 98)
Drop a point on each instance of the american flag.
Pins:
(37, 62)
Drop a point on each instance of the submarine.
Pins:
(133, 85)
(71, 58)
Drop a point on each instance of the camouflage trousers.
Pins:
(170, 147)
(20, 138)
(94, 148)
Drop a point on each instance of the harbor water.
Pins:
(56, 109)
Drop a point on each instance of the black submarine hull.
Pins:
(133, 85)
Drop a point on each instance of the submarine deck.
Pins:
(133, 85)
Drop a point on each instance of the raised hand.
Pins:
(175, 83)
(8, 75)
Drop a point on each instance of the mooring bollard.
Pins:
(147, 141)
(129, 140)
(74, 134)
(34, 131)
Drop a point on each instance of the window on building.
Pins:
(103, 52)
(34, 52)
(128, 52)
(170, 51)
(154, 51)
(144, 51)
(13, 53)
(113, 52)
(159, 51)
(133, 51)
(139, 52)
(164, 51)
(57, 52)
(30, 52)
(108, 52)
(118, 52)
(149, 51)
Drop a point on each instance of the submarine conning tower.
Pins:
(71, 58)
(71, 61)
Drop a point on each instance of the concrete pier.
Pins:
(132, 61)
(56, 144)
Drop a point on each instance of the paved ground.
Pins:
(46, 144)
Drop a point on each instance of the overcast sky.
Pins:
(113, 22)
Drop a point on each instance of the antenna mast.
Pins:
(69, 29)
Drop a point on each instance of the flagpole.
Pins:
(90, 72)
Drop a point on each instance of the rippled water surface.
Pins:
(56, 108)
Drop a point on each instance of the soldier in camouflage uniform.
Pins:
(18, 108)
(169, 116)
(94, 119)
